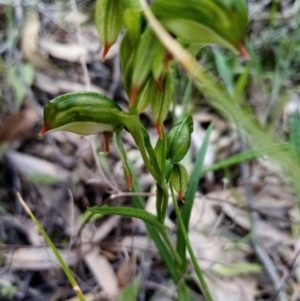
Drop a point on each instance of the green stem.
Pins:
(198, 270)
(124, 159)
(159, 201)
(171, 247)
(151, 153)
(142, 140)
(134, 127)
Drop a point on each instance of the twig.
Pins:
(260, 252)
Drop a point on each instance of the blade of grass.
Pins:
(295, 132)
(224, 70)
(245, 156)
(190, 195)
(294, 139)
(63, 265)
(198, 270)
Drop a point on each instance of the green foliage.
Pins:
(149, 81)
(239, 268)
(161, 106)
(179, 179)
(179, 139)
(187, 19)
(108, 20)
(8, 291)
(130, 212)
(83, 113)
(295, 132)
(143, 59)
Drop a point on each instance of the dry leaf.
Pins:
(234, 289)
(39, 258)
(215, 251)
(59, 85)
(125, 272)
(203, 216)
(68, 52)
(266, 231)
(18, 125)
(30, 46)
(32, 166)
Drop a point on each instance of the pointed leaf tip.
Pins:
(158, 127)
(181, 196)
(105, 50)
(44, 130)
(106, 139)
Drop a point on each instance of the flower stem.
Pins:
(171, 247)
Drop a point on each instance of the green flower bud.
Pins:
(84, 113)
(169, 168)
(158, 63)
(179, 179)
(148, 93)
(127, 171)
(179, 139)
(127, 55)
(142, 62)
(161, 105)
(108, 19)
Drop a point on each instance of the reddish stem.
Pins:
(105, 50)
(159, 84)
(106, 139)
(158, 126)
(243, 51)
(133, 95)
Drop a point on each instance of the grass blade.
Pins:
(190, 195)
(245, 156)
(63, 265)
(204, 287)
